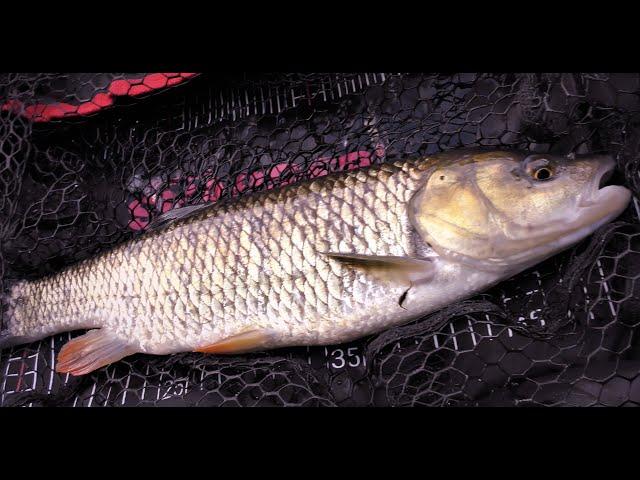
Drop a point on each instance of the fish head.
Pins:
(505, 211)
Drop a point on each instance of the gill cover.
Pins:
(454, 216)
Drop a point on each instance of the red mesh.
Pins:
(123, 87)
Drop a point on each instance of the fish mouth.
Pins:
(605, 200)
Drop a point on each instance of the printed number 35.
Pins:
(353, 359)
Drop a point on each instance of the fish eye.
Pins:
(542, 173)
(539, 169)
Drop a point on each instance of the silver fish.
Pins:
(319, 262)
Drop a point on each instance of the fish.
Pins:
(319, 262)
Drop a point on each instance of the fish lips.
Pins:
(602, 202)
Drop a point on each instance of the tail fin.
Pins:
(10, 332)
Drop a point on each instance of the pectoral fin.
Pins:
(389, 268)
(91, 351)
(244, 342)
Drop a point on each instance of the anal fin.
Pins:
(91, 351)
(243, 342)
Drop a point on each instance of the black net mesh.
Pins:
(564, 333)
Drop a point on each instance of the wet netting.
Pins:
(88, 160)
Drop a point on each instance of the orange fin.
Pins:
(91, 351)
(244, 342)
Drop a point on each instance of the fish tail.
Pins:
(12, 311)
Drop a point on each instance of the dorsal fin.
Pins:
(176, 214)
